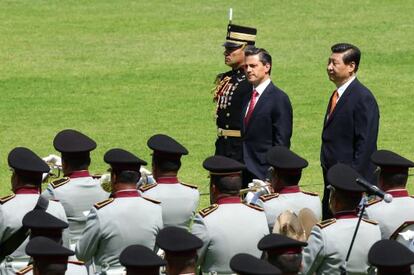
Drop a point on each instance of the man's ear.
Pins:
(267, 66)
(351, 67)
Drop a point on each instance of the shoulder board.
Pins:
(208, 210)
(326, 223)
(77, 262)
(147, 187)
(189, 185)
(59, 182)
(218, 78)
(373, 201)
(7, 198)
(412, 196)
(151, 200)
(96, 176)
(310, 193)
(269, 196)
(370, 221)
(101, 204)
(25, 270)
(254, 206)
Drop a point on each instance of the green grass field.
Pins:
(121, 71)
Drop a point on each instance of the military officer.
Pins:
(232, 87)
(180, 247)
(286, 173)
(329, 241)
(26, 182)
(77, 191)
(126, 218)
(228, 226)
(246, 264)
(392, 179)
(179, 200)
(140, 260)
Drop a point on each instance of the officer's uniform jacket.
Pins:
(12, 210)
(227, 228)
(73, 268)
(179, 201)
(289, 198)
(391, 215)
(329, 242)
(77, 193)
(232, 88)
(116, 223)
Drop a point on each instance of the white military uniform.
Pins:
(12, 210)
(77, 194)
(329, 242)
(228, 228)
(179, 201)
(115, 224)
(74, 268)
(289, 198)
(391, 216)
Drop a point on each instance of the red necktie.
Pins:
(334, 100)
(253, 100)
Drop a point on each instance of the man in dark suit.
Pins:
(267, 115)
(350, 128)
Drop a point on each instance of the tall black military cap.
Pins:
(239, 35)
(46, 248)
(390, 161)
(344, 177)
(390, 256)
(246, 264)
(174, 239)
(281, 157)
(41, 220)
(163, 144)
(73, 142)
(23, 159)
(140, 256)
(280, 244)
(220, 165)
(120, 159)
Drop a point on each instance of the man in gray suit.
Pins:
(124, 219)
(228, 226)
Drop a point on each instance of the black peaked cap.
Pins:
(140, 256)
(39, 219)
(283, 158)
(21, 158)
(122, 159)
(344, 177)
(390, 253)
(389, 158)
(165, 144)
(221, 165)
(174, 239)
(277, 241)
(72, 141)
(45, 247)
(246, 264)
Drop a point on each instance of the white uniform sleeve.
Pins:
(48, 193)
(88, 244)
(200, 230)
(314, 252)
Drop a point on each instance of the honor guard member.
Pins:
(392, 180)
(78, 190)
(26, 180)
(125, 218)
(140, 260)
(246, 264)
(232, 87)
(329, 241)
(179, 200)
(180, 247)
(43, 224)
(390, 258)
(283, 252)
(228, 226)
(286, 170)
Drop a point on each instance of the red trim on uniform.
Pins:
(167, 180)
(398, 193)
(27, 190)
(226, 200)
(289, 189)
(126, 193)
(346, 215)
(79, 174)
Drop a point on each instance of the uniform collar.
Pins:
(79, 174)
(227, 200)
(27, 190)
(127, 193)
(398, 193)
(289, 189)
(167, 180)
(346, 215)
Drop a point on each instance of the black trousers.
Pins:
(326, 211)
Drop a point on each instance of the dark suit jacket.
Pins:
(350, 134)
(269, 125)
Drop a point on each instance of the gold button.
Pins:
(227, 126)
(228, 114)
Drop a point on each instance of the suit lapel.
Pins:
(259, 105)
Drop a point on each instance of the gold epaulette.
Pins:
(373, 201)
(208, 210)
(76, 262)
(310, 193)
(151, 200)
(370, 221)
(24, 270)
(189, 185)
(5, 199)
(101, 204)
(254, 206)
(218, 78)
(268, 197)
(147, 187)
(326, 223)
(59, 182)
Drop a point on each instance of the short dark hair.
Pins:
(166, 164)
(264, 56)
(127, 176)
(287, 263)
(394, 179)
(77, 161)
(289, 179)
(227, 184)
(349, 200)
(26, 177)
(352, 53)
